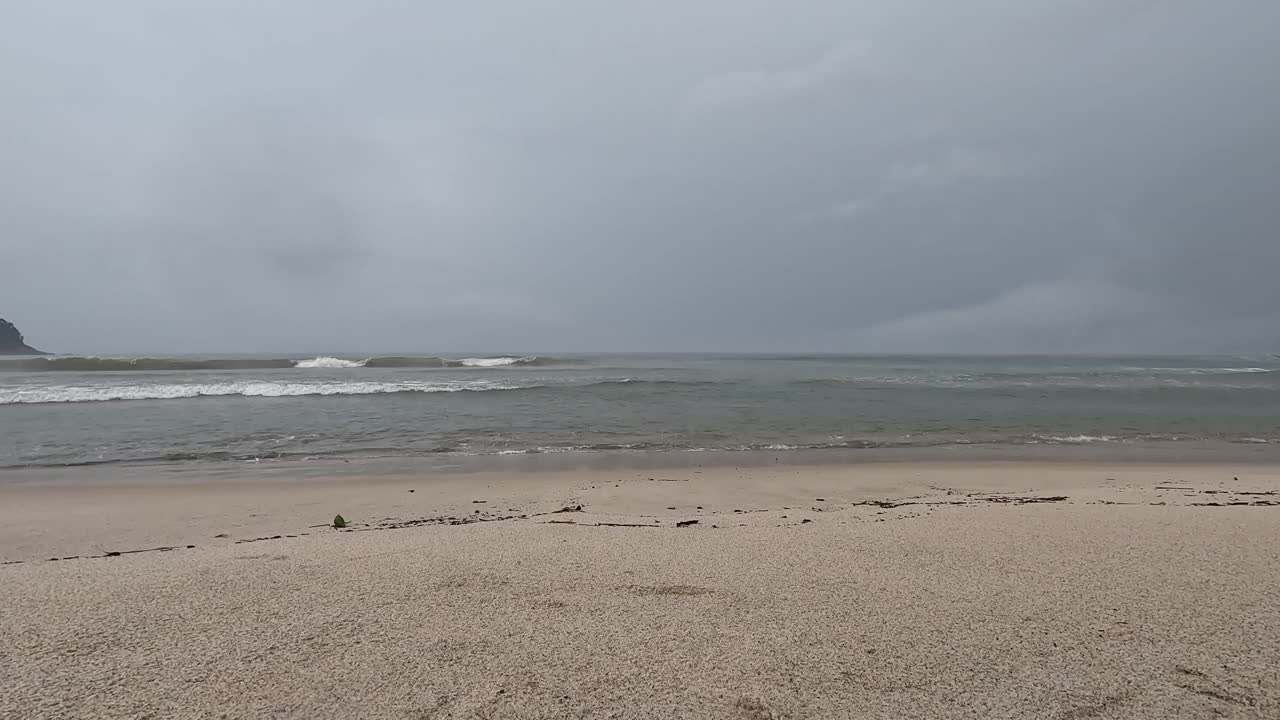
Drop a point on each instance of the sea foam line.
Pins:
(73, 393)
(328, 362)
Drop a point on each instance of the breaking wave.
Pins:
(73, 394)
(147, 364)
(35, 395)
(329, 362)
(425, 362)
(496, 362)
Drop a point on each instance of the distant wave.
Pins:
(900, 376)
(91, 393)
(405, 361)
(34, 395)
(1197, 370)
(421, 362)
(1135, 379)
(147, 364)
(819, 358)
(496, 362)
(329, 362)
(98, 364)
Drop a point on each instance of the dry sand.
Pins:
(1016, 590)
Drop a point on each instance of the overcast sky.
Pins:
(745, 175)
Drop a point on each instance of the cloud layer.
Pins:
(999, 175)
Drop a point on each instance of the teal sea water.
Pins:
(85, 410)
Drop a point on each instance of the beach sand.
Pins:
(894, 590)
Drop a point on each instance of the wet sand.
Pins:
(895, 590)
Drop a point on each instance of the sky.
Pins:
(1051, 176)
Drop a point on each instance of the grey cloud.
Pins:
(1056, 317)
(745, 88)
(960, 164)
(1058, 175)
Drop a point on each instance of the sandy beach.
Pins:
(893, 590)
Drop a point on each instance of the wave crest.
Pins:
(76, 394)
(28, 395)
(89, 363)
(325, 361)
(496, 361)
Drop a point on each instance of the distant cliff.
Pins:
(11, 342)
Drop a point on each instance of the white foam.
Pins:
(100, 393)
(1080, 439)
(493, 362)
(1202, 370)
(329, 362)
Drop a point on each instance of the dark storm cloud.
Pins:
(1055, 175)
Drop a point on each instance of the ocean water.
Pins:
(83, 410)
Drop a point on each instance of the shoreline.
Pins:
(1193, 452)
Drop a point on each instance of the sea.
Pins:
(75, 411)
